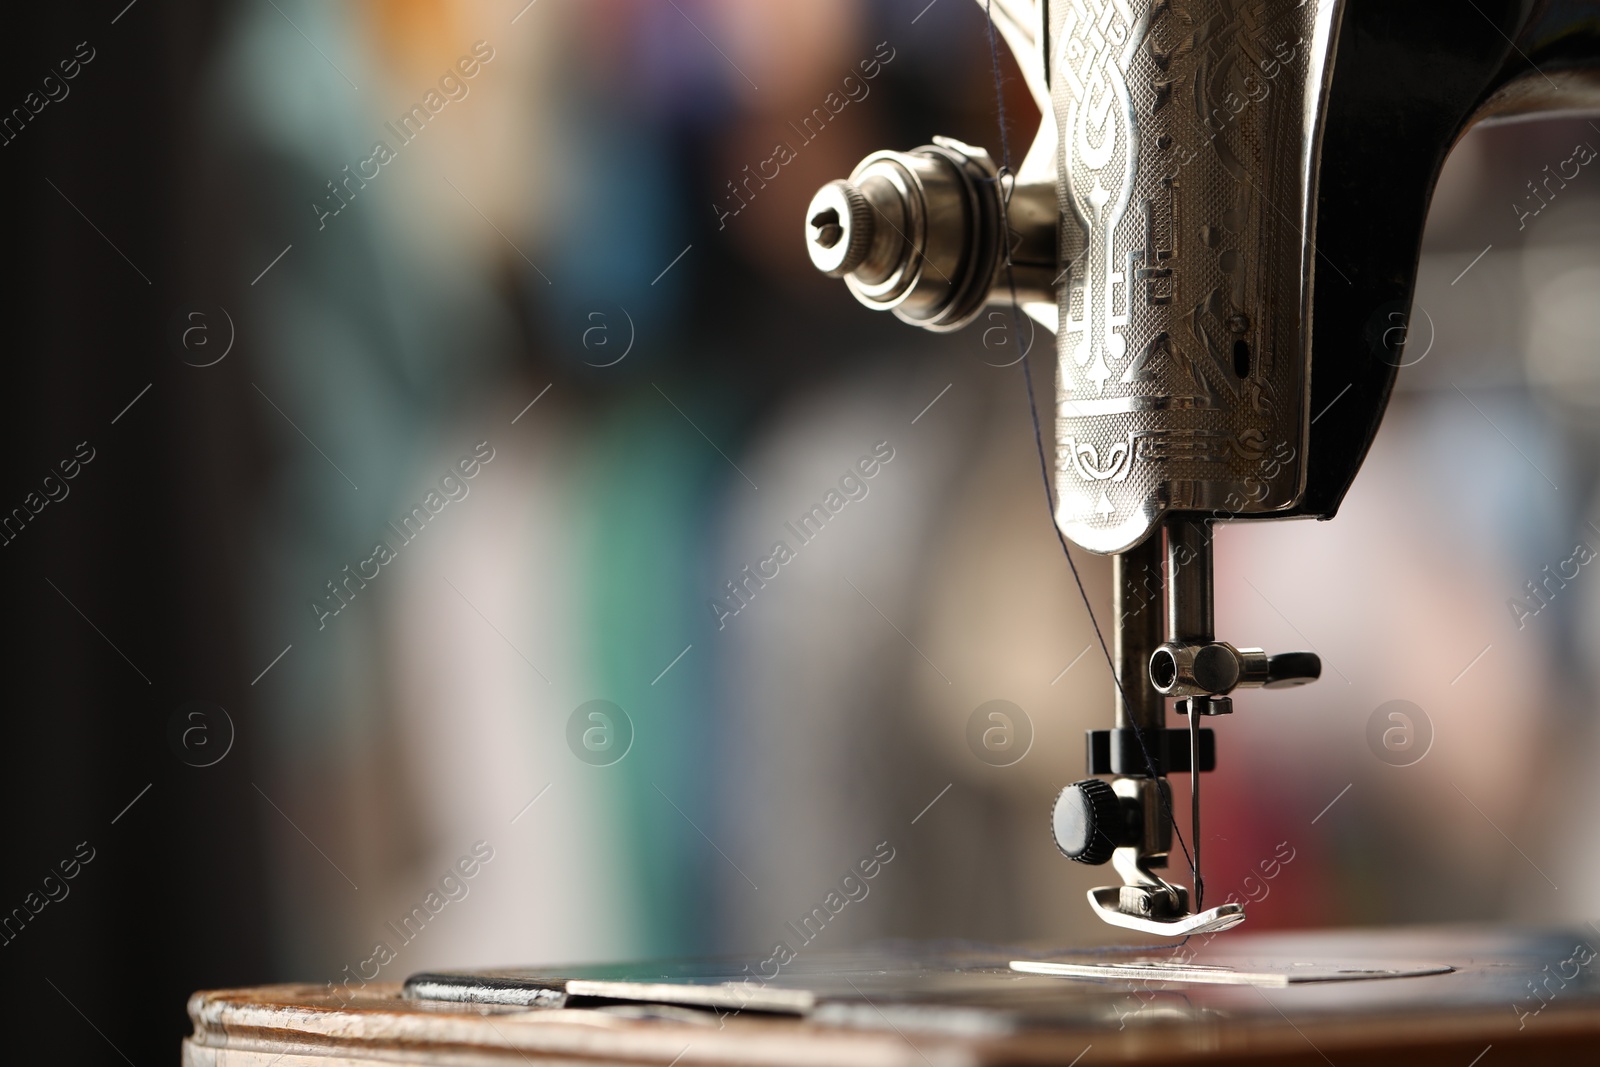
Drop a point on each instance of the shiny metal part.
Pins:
(1136, 582)
(1194, 223)
(1181, 363)
(923, 234)
(1143, 893)
(1279, 974)
(1191, 607)
(1183, 670)
(1189, 664)
(1145, 901)
(1218, 668)
(1153, 799)
(1107, 904)
(1212, 163)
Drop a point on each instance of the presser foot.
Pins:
(1131, 907)
(1095, 821)
(1152, 905)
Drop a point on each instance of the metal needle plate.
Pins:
(1267, 974)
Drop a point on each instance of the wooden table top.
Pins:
(1507, 998)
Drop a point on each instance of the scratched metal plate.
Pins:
(1185, 128)
(1268, 973)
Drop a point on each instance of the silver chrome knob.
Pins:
(1217, 668)
(923, 234)
(839, 228)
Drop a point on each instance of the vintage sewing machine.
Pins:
(1223, 197)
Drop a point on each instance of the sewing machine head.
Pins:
(1220, 219)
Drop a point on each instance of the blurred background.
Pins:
(246, 346)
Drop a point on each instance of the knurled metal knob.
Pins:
(1087, 821)
(839, 228)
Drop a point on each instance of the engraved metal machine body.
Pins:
(1222, 197)
(1179, 347)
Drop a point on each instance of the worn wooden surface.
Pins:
(1486, 1008)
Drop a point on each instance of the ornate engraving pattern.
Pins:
(1118, 460)
(1097, 39)
(1180, 359)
